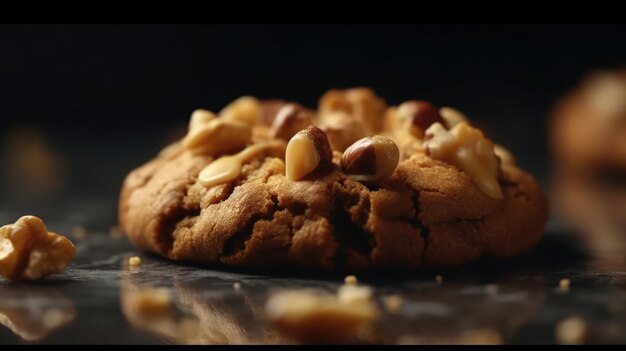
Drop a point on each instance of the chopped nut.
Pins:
(361, 103)
(342, 129)
(306, 151)
(79, 232)
(227, 168)
(29, 252)
(419, 115)
(393, 303)
(452, 116)
(371, 159)
(245, 109)
(289, 120)
(564, 283)
(572, 331)
(134, 261)
(439, 279)
(503, 154)
(350, 279)
(200, 117)
(216, 135)
(466, 148)
(269, 109)
(316, 317)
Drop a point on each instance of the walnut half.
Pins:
(29, 252)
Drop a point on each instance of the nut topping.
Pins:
(216, 136)
(421, 115)
(289, 120)
(452, 116)
(29, 252)
(227, 168)
(466, 148)
(245, 109)
(307, 150)
(371, 159)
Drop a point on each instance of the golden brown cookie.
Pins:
(449, 201)
(588, 125)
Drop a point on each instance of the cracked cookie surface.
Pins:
(427, 214)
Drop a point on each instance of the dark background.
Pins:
(106, 97)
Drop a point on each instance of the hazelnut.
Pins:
(452, 116)
(245, 109)
(269, 109)
(468, 149)
(29, 252)
(307, 150)
(420, 114)
(289, 120)
(371, 159)
(217, 136)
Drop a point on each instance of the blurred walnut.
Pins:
(342, 130)
(360, 103)
(29, 252)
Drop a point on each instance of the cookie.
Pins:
(588, 126)
(404, 192)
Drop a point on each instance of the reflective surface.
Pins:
(515, 302)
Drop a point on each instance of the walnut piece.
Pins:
(29, 252)
(469, 150)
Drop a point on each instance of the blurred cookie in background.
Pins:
(588, 126)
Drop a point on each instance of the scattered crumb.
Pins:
(115, 232)
(79, 232)
(564, 283)
(571, 331)
(152, 301)
(350, 279)
(481, 337)
(393, 303)
(134, 261)
(313, 316)
(439, 279)
(237, 286)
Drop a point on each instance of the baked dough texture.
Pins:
(427, 214)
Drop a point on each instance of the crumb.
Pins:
(237, 286)
(571, 331)
(481, 337)
(564, 283)
(350, 279)
(134, 261)
(115, 232)
(79, 232)
(393, 303)
(439, 279)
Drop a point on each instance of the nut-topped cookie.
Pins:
(353, 185)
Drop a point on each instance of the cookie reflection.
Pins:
(192, 314)
(596, 209)
(214, 311)
(34, 313)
